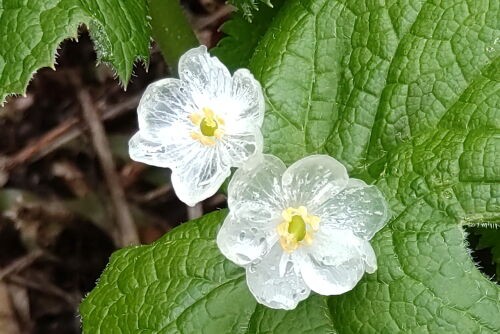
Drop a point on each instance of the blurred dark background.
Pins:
(58, 219)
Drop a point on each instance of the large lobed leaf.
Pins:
(182, 284)
(406, 94)
(31, 31)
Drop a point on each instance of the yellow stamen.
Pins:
(218, 133)
(308, 239)
(286, 214)
(208, 112)
(207, 141)
(297, 228)
(196, 118)
(210, 126)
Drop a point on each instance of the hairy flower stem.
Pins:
(171, 30)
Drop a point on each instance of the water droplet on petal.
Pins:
(244, 257)
(289, 266)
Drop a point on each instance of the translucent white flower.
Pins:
(300, 229)
(200, 125)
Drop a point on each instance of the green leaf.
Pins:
(121, 33)
(182, 284)
(358, 78)
(405, 94)
(247, 7)
(236, 49)
(30, 35)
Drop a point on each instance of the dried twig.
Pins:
(217, 201)
(203, 22)
(61, 135)
(21, 263)
(46, 288)
(52, 139)
(154, 194)
(19, 298)
(131, 173)
(124, 220)
(8, 319)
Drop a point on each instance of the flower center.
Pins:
(297, 228)
(209, 124)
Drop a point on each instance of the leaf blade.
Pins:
(437, 175)
(441, 170)
(31, 35)
(182, 283)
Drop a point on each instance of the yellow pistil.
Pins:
(297, 228)
(210, 126)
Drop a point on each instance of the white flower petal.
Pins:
(199, 174)
(158, 154)
(369, 257)
(314, 179)
(249, 231)
(238, 148)
(358, 207)
(355, 183)
(206, 75)
(258, 182)
(334, 262)
(247, 235)
(272, 289)
(248, 92)
(165, 105)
